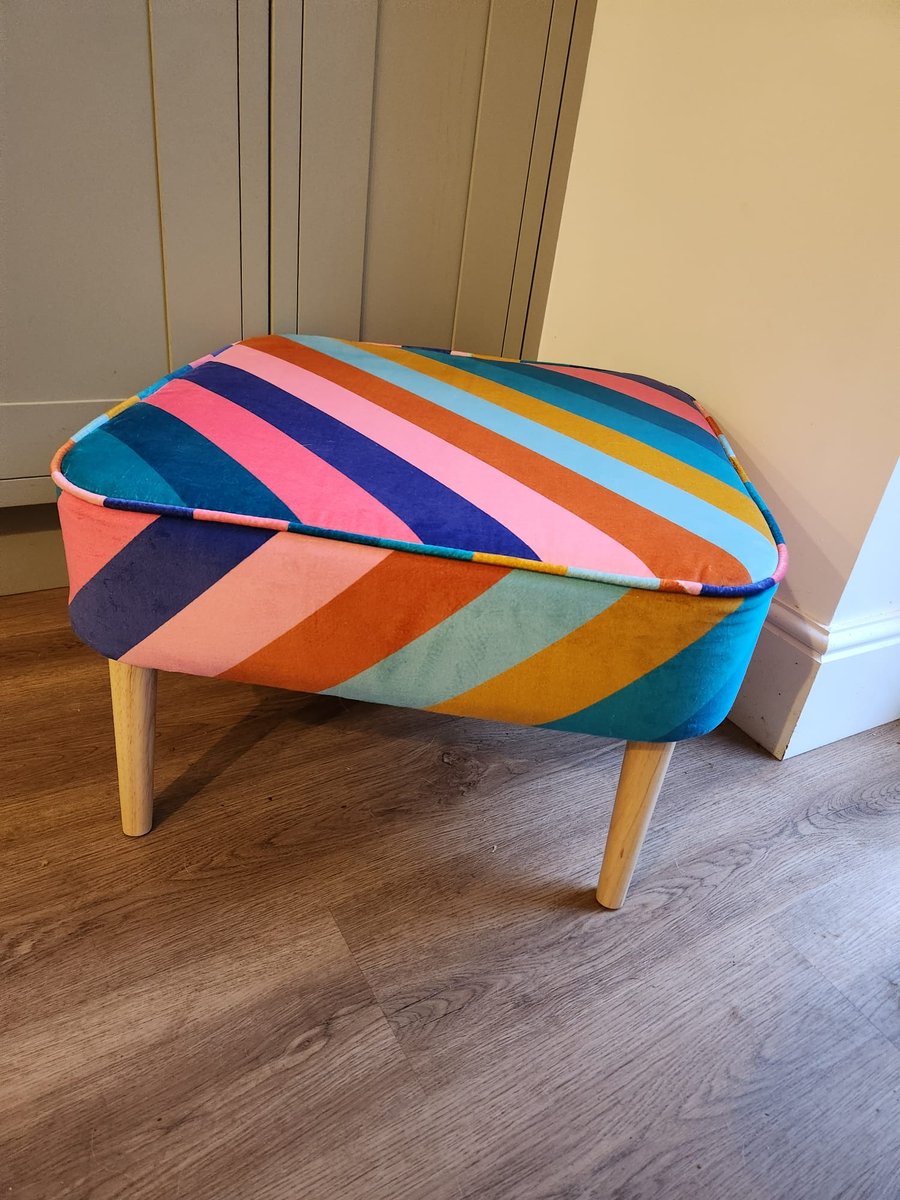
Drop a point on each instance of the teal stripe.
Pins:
(750, 547)
(160, 383)
(604, 406)
(514, 619)
(672, 701)
(196, 469)
(104, 465)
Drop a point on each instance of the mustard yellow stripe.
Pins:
(609, 441)
(529, 564)
(117, 408)
(635, 635)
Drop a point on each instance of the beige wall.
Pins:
(732, 225)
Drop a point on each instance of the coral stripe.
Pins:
(315, 491)
(364, 624)
(270, 592)
(553, 532)
(91, 539)
(686, 485)
(650, 536)
(560, 680)
(637, 391)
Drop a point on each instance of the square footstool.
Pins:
(535, 543)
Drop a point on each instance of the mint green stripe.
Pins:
(517, 617)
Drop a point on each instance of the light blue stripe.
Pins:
(604, 407)
(748, 545)
(90, 427)
(160, 383)
(514, 619)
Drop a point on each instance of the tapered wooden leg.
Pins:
(643, 771)
(134, 720)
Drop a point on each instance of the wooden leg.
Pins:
(134, 720)
(642, 774)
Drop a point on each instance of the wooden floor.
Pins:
(359, 956)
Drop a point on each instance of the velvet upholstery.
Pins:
(536, 543)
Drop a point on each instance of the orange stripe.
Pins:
(395, 603)
(637, 634)
(94, 536)
(600, 437)
(651, 537)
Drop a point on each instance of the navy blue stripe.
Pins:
(203, 475)
(434, 512)
(164, 568)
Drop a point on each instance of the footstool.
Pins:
(535, 543)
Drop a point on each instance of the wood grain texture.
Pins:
(133, 694)
(643, 771)
(360, 956)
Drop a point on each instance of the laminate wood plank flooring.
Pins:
(359, 956)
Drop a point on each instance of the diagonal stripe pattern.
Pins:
(538, 543)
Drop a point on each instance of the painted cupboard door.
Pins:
(179, 175)
(82, 308)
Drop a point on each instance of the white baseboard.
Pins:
(810, 684)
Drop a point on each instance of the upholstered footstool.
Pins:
(536, 543)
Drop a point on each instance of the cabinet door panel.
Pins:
(507, 112)
(82, 289)
(338, 76)
(253, 130)
(195, 88)
(428, 67)
(286, 49)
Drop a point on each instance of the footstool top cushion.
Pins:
(541, 466)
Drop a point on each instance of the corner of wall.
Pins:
(810, 684)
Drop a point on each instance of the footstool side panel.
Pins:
(317, 614)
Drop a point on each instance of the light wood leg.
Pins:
(134, 720)
(643, 771)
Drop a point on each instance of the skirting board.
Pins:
(809, 685)
(31, 549)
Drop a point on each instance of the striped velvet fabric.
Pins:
(528, 542)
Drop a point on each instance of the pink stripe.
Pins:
(690, 586)
(213, 514)
(310, 487)
(93, 535)
(554, 533)
(280, 584)
(637, 391)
